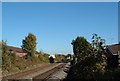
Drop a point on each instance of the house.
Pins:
(0, 43)
(113, 55)
(18, 51)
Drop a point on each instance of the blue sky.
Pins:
(57, 24)
(0, 20)
(60, 0)
(119, 22)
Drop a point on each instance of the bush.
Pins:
(59, 57)
(43, 57)
(20, 63)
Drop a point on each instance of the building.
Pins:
(18, 51)
(0, 43)
(113, 55)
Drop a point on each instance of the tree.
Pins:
(6, 62)
(81, 48)
(59, 57)
(69, 57)
(29, 45)
(99, 51)
(85, 60)
(91, 58)
(41, 56)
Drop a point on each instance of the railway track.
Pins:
(18, 75)
(43, 76)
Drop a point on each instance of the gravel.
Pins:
(30, 76)
(0, 73)
(6, 73)
(58, 75)
(61, 73)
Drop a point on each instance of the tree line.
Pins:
(90, 61)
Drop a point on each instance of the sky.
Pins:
(56, 24)
(0, 21)
(119, 22)
(60, 0)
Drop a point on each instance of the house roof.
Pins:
(16, 49)
(114, 48)
(0, 43)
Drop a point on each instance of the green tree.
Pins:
(6, 62)
(29, 45)
(99, 52)
(83, 51)
(13, 57)
(59, 57)
(91, 58)
(81, 48)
